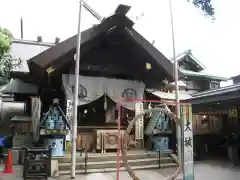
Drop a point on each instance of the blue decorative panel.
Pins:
(162, 122)
(159, 121)
(159, 124)
(166, 123)
(57, 146)
(160, 143)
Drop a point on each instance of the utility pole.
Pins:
(75, 99)
(178, 110)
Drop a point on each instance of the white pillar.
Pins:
(75, 99)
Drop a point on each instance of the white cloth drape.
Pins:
(118, 89)
(92, 88)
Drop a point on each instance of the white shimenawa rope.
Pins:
(124, 140)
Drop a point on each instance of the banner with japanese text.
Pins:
(186, 116)
(69, 116)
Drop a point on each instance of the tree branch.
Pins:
(7, 64)
(205, 6)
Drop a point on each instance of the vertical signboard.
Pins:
(186, 113)
(69, 115)
(139, 123)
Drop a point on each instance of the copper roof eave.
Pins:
(25, 77)
(17, 86)
(42, 61)
(221, 94)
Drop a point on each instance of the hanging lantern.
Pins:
(148, 66)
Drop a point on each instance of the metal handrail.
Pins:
(85, 150)
(159, 159)
(86, 160)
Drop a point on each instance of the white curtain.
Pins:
(123, 91)
(92, 88)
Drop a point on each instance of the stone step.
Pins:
(95, 157)
(112, 164)
(155, 166)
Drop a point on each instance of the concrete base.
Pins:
(140, 144)
(98, 176)
(233, 155)
(179, 177)
(54, 168)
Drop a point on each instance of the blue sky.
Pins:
(214, 44)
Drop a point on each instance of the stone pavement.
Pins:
(216, 171)
(146, 175)
(210, 170)
(207, 170)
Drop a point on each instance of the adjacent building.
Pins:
(195, 80)
(236, 79)
(194, 76)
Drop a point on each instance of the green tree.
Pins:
(205, 6)
(7, 62)
(5, 40)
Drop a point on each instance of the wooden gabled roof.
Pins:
(187, 58)
(57, 56)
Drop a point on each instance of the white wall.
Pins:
(27, 50)
(227, 83)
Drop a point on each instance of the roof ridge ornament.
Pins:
(122, 9)
(189, 52)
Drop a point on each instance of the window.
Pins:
(236, 81)
(214, 85)
(190, 84)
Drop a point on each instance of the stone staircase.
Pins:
(107, 162)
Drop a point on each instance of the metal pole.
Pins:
(75, 100)
(178, 128)
(119, 142)
(21, 24)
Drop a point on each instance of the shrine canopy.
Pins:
(92, 88)
(16, 86)
(111, 49)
